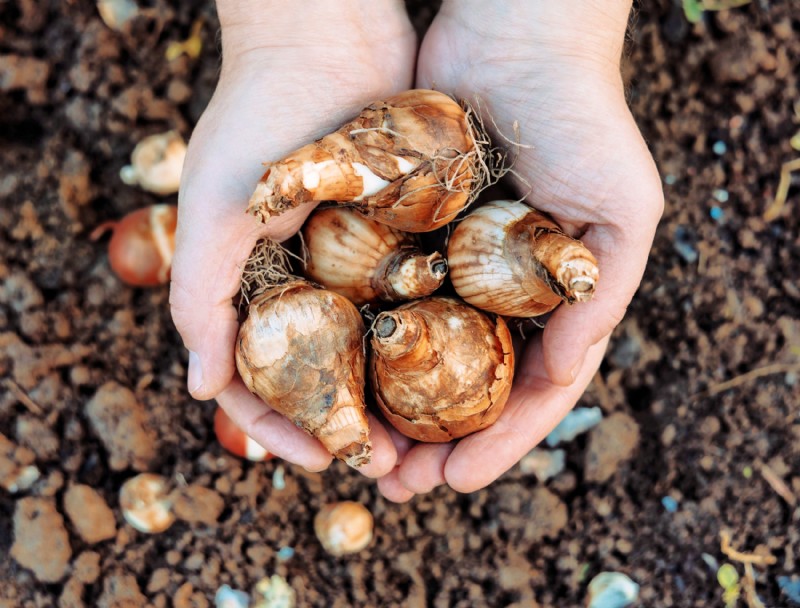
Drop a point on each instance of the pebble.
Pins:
(578, 421)
(670, 179)
(17, 471)
(684, 244)
(226, 597)
(544, 464)
(278, 479)
(90, 514)
(611, 443)
(790, 587)
(719, 148)
(670, 504)
(198, 504)
(41, 542)
(273, 592)
(716, 213)
(720, 195)
(612, 590)
(285, 554)
(118, 419)
(120, 589)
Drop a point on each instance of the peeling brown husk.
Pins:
(413, 161)
(509, 259)
(366, 261)
(440, 369)
(300, 351)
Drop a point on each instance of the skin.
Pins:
(552, 67)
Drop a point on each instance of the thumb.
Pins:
(214, 238)
(572, 330)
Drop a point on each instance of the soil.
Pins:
(700, 388)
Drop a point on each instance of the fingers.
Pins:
(422, 469)
(273, 431)
(384, 454)
(278, 435)
(391, 488)
(534, 408)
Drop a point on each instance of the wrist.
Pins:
(579, 33)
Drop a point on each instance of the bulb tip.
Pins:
(385, 326)
(439, 268)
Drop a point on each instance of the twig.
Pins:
(749, 588)
(23, 398)
(744, 558)
(777, 484)
(776, 206)
(767, 370)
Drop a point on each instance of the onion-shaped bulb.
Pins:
(412, 162)
(366, 261)
(510, 259)
(440, 369)
(300, 350)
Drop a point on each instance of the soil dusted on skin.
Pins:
(699, 391)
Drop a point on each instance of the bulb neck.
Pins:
(408, 274)
(402, 340)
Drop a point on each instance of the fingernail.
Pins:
(195, 377)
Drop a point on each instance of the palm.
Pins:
(583, 161)
(270, 100)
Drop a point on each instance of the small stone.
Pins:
(273, 592)
(611, 443)
(670, 504)
(578, 421)
(230, 598)
(71, 594)
(278, 478)
(612, 590)
(36, 435)
(285, 554)
(120, 590)
(90, 514)
(544, 464)
(118, 419)
(17, 473)
(87, 567)
(790, 587)
(41, 542)
(684, 243)
(198, 504)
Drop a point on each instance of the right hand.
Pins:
(291, 72)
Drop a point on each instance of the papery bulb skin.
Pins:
(408, 162)
(440, 369)
(235, 440)
(509, 259)
(300, 350)
(142, 245)
(367, 261)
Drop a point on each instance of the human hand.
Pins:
(291, 72)
(554, 68)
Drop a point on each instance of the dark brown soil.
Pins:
(720, 300)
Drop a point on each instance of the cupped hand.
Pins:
(291, 72)
(552, 67)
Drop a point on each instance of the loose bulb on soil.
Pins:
(145, 503)
(344, 527)
(509, 259)
(156, 163)
(412, 161)
(300, 350)
(440, 369)
(142, 245)
(235, 440)
(367, 261)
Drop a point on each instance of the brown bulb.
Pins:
(440, 369)
(411, 162)
(344, 527)
(300, 350)
(509, 259)
(366, 261)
